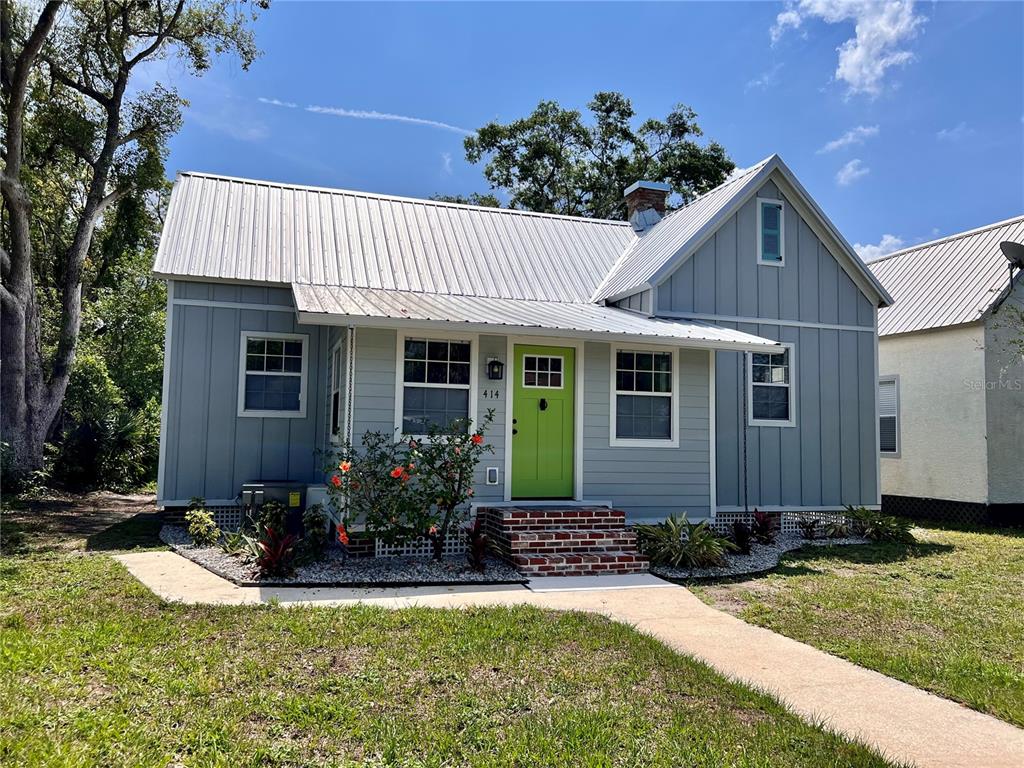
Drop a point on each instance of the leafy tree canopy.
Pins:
(555, 162)
(473, 198)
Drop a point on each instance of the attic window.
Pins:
(770, 228)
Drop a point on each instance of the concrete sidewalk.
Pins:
(903, 722)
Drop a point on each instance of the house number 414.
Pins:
(491, 394)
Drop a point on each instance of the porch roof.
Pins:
(339, 305)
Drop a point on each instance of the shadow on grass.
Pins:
(867, 554)
(140, 531)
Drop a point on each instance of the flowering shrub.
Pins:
(409, 488)
(378, 485)
(447, 462)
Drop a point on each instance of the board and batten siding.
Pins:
(208, 450)
(829, 458)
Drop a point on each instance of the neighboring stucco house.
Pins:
(951, 383)
(718, 357)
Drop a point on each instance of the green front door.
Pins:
(542, 422)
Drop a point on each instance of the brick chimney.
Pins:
(645, 203)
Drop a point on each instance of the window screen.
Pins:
(770, 386)
(888, 416)
(273, 374)
(436, 378)
(771, 232)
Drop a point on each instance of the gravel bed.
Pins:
(335, 571)
(762, 557)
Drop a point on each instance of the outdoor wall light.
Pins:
(494, 369)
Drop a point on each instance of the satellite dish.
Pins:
(1014, 253)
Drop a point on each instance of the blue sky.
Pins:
(904, 120)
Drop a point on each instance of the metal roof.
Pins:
(319, 303)
(950, 281)
(659, 249)
(656, 246)
(239, 229)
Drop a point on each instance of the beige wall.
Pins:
(943, 448)
(1005, 383)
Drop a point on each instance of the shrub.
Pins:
(679, 543)
(376, 484)
(201, 526)
(763, 527)
(741, 536)
(314, 527)
(273, 551)
(476, 553)
(273, 514)
(882, 528)
(447, 464)
(808, 527)
(837, 529)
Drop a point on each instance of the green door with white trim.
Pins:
(543, 422)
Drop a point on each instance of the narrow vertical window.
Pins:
(888, 416)
(336, 394)
(770, 232)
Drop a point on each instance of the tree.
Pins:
(473, 198)
(81, 145)
(553, 162)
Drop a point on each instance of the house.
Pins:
(711, 359)
(952, 383)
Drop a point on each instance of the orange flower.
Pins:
(477, 439)
(342, 534)
(397, 472)
(345, 466)
(433, 530)
(405, 476)
(469, 491)
(336, 481)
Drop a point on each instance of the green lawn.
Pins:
(946, 614)
(95, 670)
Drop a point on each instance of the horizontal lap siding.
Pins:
(648, 482)
(210, 451)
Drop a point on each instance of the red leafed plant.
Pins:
(275, 552)
(476, 553)
(763, 527)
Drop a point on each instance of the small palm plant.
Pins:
(678, 543)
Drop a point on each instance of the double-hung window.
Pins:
(436, 379)
(770, 232)
(889, 416)
(643, 410)
(770, 388)
(272, 381)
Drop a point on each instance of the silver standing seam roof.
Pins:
(950, 281)
(363, 256)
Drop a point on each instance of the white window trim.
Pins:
(642, 442)
(782, 232)
(791, 422)
(546, 357)
(899, 443)
(303, 375)
(474, 344)
(332, 388)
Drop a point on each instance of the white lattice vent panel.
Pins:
(228, 518)
(454, 546)
(790, 522)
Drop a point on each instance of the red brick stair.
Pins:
(571, 541)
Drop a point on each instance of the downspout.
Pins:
(743, 369)
(350, 380)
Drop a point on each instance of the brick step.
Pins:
(541, 519)
(564, 540)
(580, 564)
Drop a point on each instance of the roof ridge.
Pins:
(729, 181)
(948, 238)
(398, 198)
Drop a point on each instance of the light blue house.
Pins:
(720, 357)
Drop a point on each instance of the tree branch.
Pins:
(82, 87)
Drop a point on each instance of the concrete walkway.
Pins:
(902, 722)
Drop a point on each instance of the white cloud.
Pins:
(853, 136)
(958, 132)
(881, 31)
(767, 79)
(851, 172)
(886, 245)
(446, 163)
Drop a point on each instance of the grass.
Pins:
(95, 670)
(946, 614)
